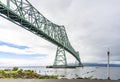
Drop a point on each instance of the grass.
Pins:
(10, 71)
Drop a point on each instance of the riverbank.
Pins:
(53, 80)
(85, 72)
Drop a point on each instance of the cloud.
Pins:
(12, 45)
(21, 62)
(14, 50)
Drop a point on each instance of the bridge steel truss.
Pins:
(22, 13)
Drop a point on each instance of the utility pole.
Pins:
(108, 65)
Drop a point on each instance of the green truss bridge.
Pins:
(22, 13)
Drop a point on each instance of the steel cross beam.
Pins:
(22, 13)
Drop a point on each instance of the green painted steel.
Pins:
(22, 13)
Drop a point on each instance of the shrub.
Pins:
(15, 69)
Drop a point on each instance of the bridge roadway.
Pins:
(56, 80)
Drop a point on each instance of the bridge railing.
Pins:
(31, 18)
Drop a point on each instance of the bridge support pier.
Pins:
(60, 58)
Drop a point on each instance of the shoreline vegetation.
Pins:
(16, 73)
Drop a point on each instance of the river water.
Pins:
(89, 72)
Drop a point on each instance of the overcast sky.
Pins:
(92, 27)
